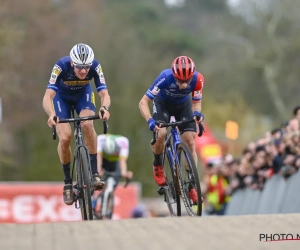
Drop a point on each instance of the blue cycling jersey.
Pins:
(166, 88)
(64, 81)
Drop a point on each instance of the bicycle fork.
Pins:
(170, 188)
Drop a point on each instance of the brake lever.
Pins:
(201, 127)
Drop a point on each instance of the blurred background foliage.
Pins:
(248, 52)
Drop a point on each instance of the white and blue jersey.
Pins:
(71, 90)
(63, 80)
(165, 87)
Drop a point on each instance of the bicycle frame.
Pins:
(109, 188)
(79, 143)
(176, 141)
(82, 190)
(175, 135)
(106, 192)
(173, 143)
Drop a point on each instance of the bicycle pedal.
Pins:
(161, 191)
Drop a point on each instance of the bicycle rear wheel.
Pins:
(107, 197)
(188, 179)
(171, 190)
(84, 180)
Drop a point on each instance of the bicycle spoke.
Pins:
(172, 197)
(189, 181)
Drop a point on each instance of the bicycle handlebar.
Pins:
(117, 175)
(79, 119)
(173, 124)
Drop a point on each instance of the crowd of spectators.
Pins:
(277, 152)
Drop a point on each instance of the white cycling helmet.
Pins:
(109, 146)
(82, 54)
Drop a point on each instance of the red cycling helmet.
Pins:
(183, 68)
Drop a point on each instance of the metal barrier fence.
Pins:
(278, 196)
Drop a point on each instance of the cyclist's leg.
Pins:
(187, 130)
(117, 174)
(160, 114)
(85, 106)
(64, 132)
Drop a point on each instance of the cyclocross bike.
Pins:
(82, 188)
(105, 200)
(180, 171)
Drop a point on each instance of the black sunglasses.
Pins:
(78, 66)
(183, 81)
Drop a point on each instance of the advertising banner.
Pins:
(23, 202)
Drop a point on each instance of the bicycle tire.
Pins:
(97, 213)
(172, 187)
(79, 184)
(192, 180)
(84, 175)
(109, 210)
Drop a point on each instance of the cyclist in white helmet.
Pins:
(113, 151)
(69, 85)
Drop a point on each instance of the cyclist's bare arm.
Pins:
(48, 106)
(144, 107)
(196, 105)
(105, 101)
(123, 166)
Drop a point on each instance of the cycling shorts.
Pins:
(162, 111)
(62, 103)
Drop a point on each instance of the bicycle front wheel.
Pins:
(84, 179)
(189, 181)
(171, 190)
(107, 205)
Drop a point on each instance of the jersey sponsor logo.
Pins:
(160, 81)
(54, 74)
(176, 95)
(197, 94)
(93, 99)
(74, 83)
(173, 85)
(76, 88)
(155, 90)
(56, 69)
(100, 73)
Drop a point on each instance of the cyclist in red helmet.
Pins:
(175, 92)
